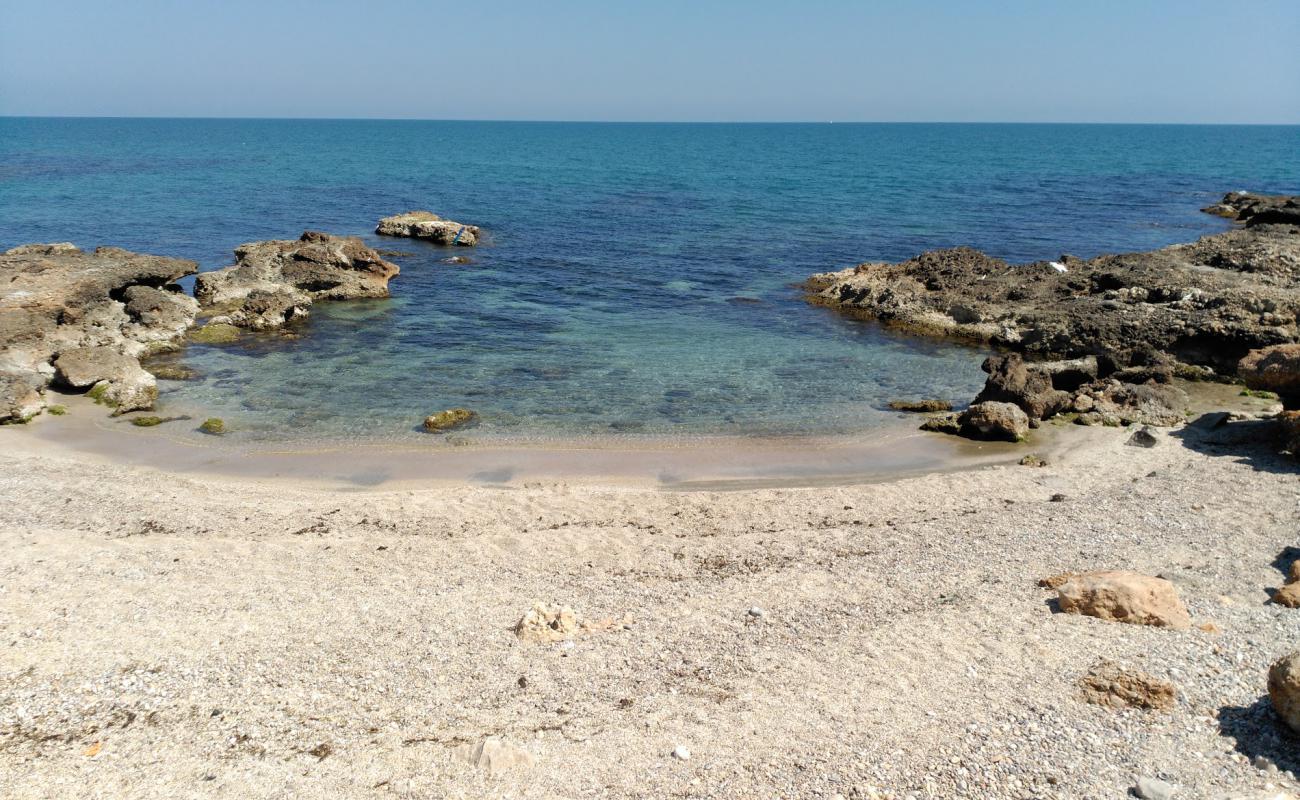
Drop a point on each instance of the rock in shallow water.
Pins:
(430, 227)
(451, 419)
(276, 282)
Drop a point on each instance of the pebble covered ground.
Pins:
(166, 636)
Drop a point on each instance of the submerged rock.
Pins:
(430, 227)
(273, 283)
(110, 305)
(213, 425)
(927, 406)
(451, 419)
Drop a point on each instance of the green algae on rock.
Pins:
(215, 333)
(450, 419)
(214, 426)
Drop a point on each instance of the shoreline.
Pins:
(693, 462)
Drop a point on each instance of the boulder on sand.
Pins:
(993, 420)
(1284, 689)
(430, 227)
(114, 378)
(1109, 684)
(1123, 596)
(1274, 369)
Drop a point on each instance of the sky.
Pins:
(1180, 61)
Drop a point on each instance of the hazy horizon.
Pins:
(1161, 62)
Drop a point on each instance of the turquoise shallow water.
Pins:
(637, 278)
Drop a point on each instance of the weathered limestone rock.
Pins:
(430, 227)
(451, 419)
(1288, 596)
(543, 623)
(992, 420)
(927, 406)
(1109, 684)
(1284, 689)
(1274, 369)
(114, 378)
(56, 299)
(1123, 596)
(276, 282)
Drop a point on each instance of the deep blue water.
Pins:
(609, 296)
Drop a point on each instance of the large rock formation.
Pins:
(430, 227)
(1206, 304)
(96, 313)
(1257, 209)
(276, 282)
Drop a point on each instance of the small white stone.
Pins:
(682, 753)
(756, 612)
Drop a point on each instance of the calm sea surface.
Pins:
(637, 279)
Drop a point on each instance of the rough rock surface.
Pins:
(1257, 209)
(114, 378)
(430, 227)
(1206, 303)
(1123, 596)
(1109, 684)
(448, 420)
(275, 282)
(1284, 689)
(547, 623)
(55, 298)
(994, 420)
(1274, 369)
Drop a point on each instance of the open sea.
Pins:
(636, 279)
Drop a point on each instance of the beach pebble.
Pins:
(1143, 438)
(756, 612)
(682, 753)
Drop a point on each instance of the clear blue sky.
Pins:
(942, 60)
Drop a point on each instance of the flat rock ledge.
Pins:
(276, 282)
(84, 320)
(430, 227)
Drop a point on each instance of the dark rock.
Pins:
(1011, 380)
(1143, 437)
(920, 406)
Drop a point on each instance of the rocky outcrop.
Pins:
(430, 227)
(1206, 304)
(1123, 596)
(60, 304)
(273, 283)
(994, 420)
(1257, 209)
(1284, 689)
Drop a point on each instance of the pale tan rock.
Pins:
(1109, 684)
(1124, 596)
(1293, 573)
(545, 623)
(494, 755)
(430, 227)
(1288, 596)
(1284, 689)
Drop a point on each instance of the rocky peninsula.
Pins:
(1102, 338)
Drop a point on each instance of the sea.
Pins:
(635, 280)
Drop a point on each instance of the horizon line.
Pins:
(635, 122)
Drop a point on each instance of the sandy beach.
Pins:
(210, 635)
